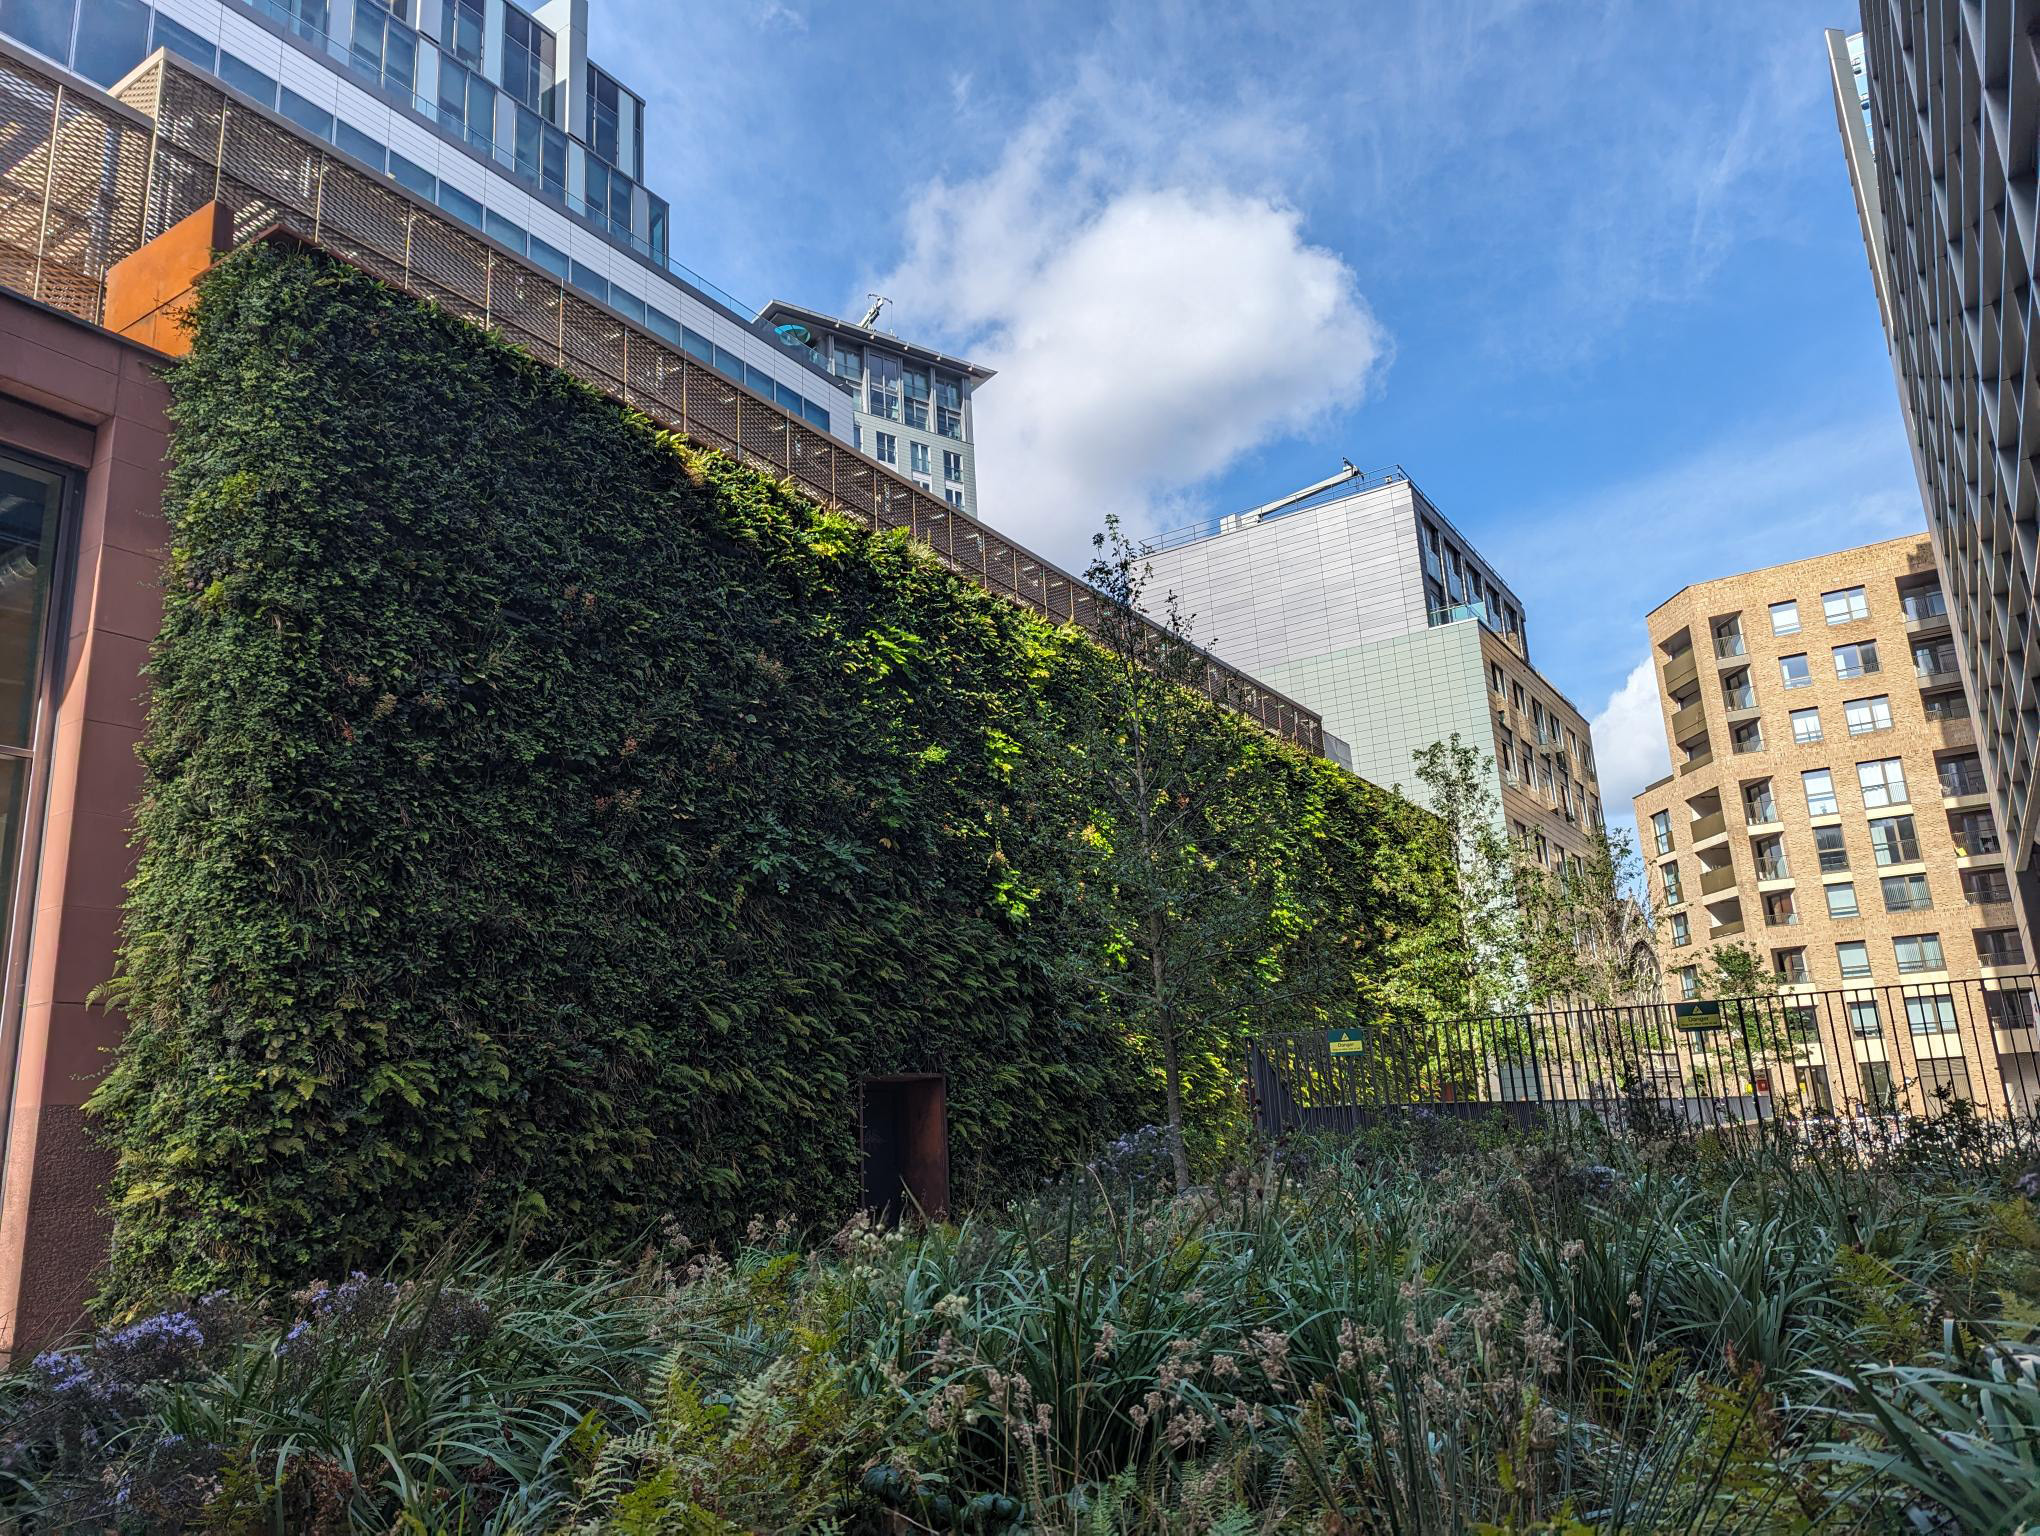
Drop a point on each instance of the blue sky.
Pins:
(1590, 272)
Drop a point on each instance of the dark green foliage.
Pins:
(546, 825)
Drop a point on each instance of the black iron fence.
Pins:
(1853, 1054)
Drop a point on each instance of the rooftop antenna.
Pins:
(878, 302)
(1253, 515)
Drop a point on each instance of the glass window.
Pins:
(1832, 852)
(888, 448)
(917, 458)
(187, 44)
(948, 405)
(596, 286)
(1793, 670)
(952, 469)
(501, 229)
(1933, 1014)
(914, 388)
(1846, 605)
(1689, 981)
(45, 25)
(243, 77)
(1746, 736)
(308, 115)
(554, 261)
(460, 30)
(1883, 782)
(1854, 960)
(528, 58)
(1863, 1021)
(1918, 952)
(1758, 806)
(1805, 725)
(1661, 830)
(882, 395)
(1906, 893)
(384, 49)
(413, 178)
(953, 494)
(1894, 841)
(31, 504)
(1841, 899)
(371, 152)
(1674, 892)
(1682, 930)
(460, 205)
(112, 37)
(1820, 792)
(1858, 660)
(605, 120)
(1866, 716)
(1785, 618)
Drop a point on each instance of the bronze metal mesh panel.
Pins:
(451, 265)
(179, 185)
(189, 113)
(139, 91)
(592, 341)
(250, 210)
(712, 407)
(28, 107)
(855, 480)
(97, 169)
(270, 161)
(526, 306)
(764, 432)
(358, 214)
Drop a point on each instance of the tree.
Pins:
(1192, 918)
(1737, 970)
(1459, 784)
(1587, 937)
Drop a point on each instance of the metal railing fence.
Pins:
(1850, 1054)
(85, 181)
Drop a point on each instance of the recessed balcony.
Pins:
(1696, 762)
(1714, 881)
(1681, 672)
(1689, 722)
(1707, 830)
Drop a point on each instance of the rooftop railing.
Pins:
(86, 181)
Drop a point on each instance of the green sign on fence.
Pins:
(1346, 1042)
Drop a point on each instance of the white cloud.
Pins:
(1629, 744)
(1154, 311)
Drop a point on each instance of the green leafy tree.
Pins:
(1587, 939)
(1194, 911)
(1459, 786)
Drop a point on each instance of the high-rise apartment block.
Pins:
(1368, 606)
(913, 408)
(495, 113)
(1944, 176)
(1826, 806)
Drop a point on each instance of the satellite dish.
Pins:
(794, 335)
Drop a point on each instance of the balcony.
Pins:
(1991, 914)
(1938, 676)
(1727, 930)
(1707, 829)
(1689, 722)
(1681, 672)
(1696, 762)
(1729, 648)
(1715, 881)
(1773, 869)
(1925, 614)
(1789, 919)
(1763, 814)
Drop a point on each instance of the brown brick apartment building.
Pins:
(1826, 807)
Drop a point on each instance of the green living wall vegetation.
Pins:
(547, 825)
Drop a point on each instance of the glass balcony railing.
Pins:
(1919, 606)
(1728, 647)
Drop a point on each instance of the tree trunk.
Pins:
(1172, 1061)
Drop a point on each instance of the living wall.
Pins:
(547, 825)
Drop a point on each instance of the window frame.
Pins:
(1791, 606)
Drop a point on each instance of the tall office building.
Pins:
(913, 407)
(1364, 603)
(1827, 807)
(495, 113)
(1944, 177)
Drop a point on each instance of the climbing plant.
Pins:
(547, 825)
